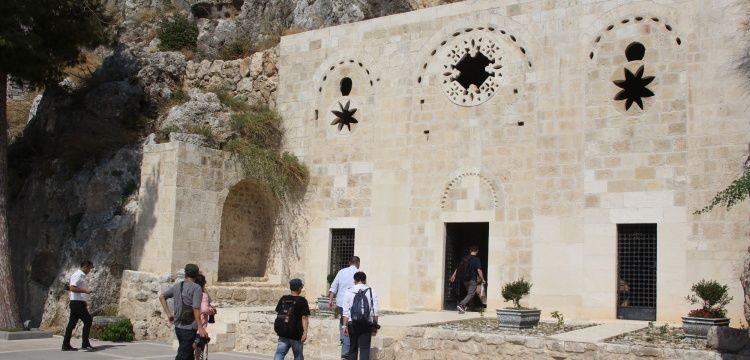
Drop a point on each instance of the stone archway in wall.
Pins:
(248, 223)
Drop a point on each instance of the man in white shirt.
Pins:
(79, 291)
(360, 318)
(343, 281)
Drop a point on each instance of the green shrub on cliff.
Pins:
(177, 33)
(121, 331)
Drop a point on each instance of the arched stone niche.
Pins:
(248, 222)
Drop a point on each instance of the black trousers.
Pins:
(78, 311)
(359, 342)
(185, 337)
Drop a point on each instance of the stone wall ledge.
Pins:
(434, 343)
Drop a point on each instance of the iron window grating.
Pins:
(636, 265)
(342, 249)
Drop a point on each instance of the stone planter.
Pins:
(517, 318)
(697, 328)
(323, 305)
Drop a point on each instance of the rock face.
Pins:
(203, 109)
(726, 339)
(73, 173)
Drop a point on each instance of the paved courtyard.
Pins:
(48, 349)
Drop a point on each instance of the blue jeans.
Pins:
(283, 347)
(345, 341)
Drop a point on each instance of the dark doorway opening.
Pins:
(636, 272)
(458, 238)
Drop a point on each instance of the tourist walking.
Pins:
(292, 321)
(207, 316)
(187, 312)
(79, 293)
(343, 281)
(471, 276)
(360, 317)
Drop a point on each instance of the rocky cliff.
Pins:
(75, 169)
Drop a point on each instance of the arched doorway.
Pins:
(248, 222)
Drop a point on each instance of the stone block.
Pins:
(645, 351)
(576, 347)
(25, 335)
(726, 339)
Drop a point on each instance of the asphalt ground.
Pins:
(49, 349)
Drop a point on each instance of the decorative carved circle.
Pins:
(471, 70)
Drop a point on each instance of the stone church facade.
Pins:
(570, 141)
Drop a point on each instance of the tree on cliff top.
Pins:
(38, 40)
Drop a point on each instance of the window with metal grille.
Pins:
(636, 271)
(342, 249)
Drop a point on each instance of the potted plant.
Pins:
(323, 299)
(713, 298)
(517, 317)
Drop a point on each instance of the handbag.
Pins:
(186, 311)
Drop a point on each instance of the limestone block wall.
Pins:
(139, 302)
(542, 145)
(253, 78)
(198, 208)
(255, 334)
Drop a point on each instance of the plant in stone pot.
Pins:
(713, 299)
(517, 317)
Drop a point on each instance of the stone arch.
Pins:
(248, 222)
(469, 191)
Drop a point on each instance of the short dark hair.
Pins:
(86, 263)
(354, 260)
(200, 280)
(360, 276)
(474, 248)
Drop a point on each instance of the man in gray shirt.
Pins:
(187, 295)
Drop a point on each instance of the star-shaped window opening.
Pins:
(345, 117)
(634, 88)
(471, 70)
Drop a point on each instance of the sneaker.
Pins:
(69, 348)
(88, 348)
(461, 310)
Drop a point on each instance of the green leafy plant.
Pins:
(736, 192)
(713, 298)
(121, 331)
(177, 33)
(560, 319)
(515, 290)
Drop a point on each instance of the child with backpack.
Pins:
(291, 322)
(360, 317)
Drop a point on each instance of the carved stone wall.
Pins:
(571, 118)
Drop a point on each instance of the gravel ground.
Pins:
(660, 336)
(489, 325)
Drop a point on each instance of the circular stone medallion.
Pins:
(471, 70)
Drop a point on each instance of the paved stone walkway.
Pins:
(49, 349)
(594, 334)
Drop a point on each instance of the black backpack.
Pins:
(361, 309)
(286, 324)
(461, 270)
